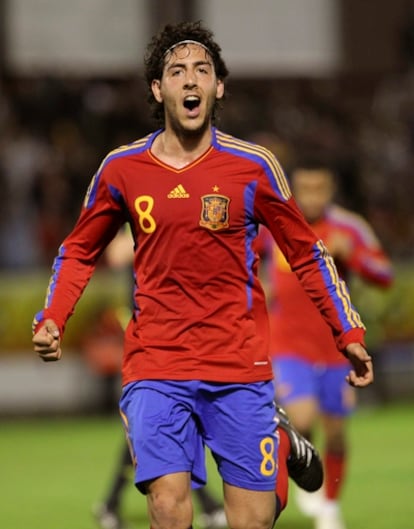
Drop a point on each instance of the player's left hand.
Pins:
(362, 372)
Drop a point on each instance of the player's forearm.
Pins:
(69, 279)
(321, 282)
(75, 263)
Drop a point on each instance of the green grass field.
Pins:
(53, 470)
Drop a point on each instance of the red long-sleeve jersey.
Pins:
(200, 309)
(297, 328)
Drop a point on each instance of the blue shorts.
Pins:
(297, 379)
(168, 424)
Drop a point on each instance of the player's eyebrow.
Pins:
(185, 65)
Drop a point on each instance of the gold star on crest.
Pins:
(215, 189)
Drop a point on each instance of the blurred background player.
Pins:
(309, 371)
(103, 350)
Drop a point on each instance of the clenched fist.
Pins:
(46, 342)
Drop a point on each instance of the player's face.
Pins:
(188, 89)
(313, 191)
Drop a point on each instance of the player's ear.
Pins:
(156, 90)
(219, 89)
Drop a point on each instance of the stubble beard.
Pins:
(189, 132)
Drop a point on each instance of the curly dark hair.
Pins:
(160, 44)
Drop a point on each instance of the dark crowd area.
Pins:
(55, 131)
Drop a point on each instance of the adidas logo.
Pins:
(178, 192)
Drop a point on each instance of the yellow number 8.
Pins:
(267, 448)
(143, 206)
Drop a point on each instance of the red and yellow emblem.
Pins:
(215, 212)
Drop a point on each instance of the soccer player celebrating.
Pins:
(309, 370)
(196, 367)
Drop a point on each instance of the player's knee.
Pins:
(168, 509)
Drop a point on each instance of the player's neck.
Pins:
(181, 150)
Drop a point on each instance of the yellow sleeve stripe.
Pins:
(257, 153)
(341, 301)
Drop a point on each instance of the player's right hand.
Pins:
(46, 342)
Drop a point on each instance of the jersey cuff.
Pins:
(356, 335)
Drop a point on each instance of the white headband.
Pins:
(188, 41)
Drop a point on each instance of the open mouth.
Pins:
(191, 102)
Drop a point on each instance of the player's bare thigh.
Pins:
(246, 509)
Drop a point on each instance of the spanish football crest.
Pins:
(214, 212)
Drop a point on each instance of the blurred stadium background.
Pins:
(333, 75)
